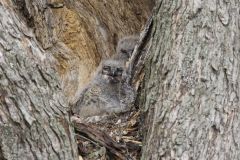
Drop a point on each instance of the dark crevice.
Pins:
(24, 12)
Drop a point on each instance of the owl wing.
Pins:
(87, 98)
(127, 95)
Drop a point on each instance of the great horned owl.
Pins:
(106, 93)
(125, 48)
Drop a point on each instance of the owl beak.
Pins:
(114, 73)
(113, 79)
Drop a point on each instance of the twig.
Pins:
(135, 62)
(101, 138)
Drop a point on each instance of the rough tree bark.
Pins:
(191, 88)
(34, 122)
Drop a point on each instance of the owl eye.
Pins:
(106, 69)
(119, 71)
(124, 51)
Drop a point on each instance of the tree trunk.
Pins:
(34, 122)
(191, 89)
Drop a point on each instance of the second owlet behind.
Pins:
(125, 48)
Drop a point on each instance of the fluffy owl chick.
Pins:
(105, 94)
(110, 72)
(125, 48)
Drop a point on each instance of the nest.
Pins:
(113, 137)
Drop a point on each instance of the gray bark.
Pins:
(34, 122)
(191, 89)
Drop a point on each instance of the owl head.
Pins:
(126, 46)
(112, 70)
